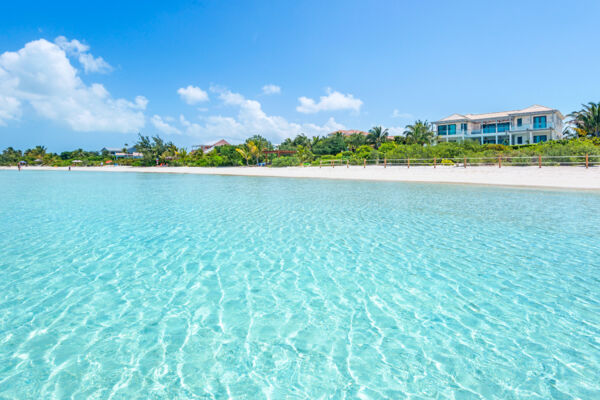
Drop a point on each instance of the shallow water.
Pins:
(123, 285)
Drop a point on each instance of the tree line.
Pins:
(582, 136)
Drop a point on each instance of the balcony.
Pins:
(512, 129)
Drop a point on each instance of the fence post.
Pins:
(408, 162)
(465, 162)
(384, 162)
(434, 162)
(365, 163)
(540, 160)
(500, 161)
(586, 160)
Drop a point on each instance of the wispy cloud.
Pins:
(271, 89)
(77, 49)
(398, 114)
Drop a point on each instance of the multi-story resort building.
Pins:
(530, 125)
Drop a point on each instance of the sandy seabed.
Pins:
(569, 177)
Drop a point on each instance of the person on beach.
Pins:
(69, 167)
(19, 166)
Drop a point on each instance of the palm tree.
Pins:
(420, 133)
(304, 153)
(244, 153)
(314, 141)
(377, 136)
(587, 120)
(254, 149)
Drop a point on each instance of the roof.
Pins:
(536, 108)
(221, 142)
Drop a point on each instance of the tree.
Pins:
(377, 136)
(333, 144)
(37, 152)
(259, 145)
(245, 153)
(314, 141)
(254, 149)
(154, 150)
(301, 140)
(586, 121)
(420, 133)
(355, 140)
(304, 154)
(11, 156)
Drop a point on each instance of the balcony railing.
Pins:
(512, 129)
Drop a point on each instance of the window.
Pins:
(520, 140)
(463, 127)
(519, 122)
(540, 138)
(489, 128)
(447, 129)
(503, 127)
(539, 122)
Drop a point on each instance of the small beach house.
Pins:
(530, 125)
(118, 152)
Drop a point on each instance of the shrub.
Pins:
(285, 162)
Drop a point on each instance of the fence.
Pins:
(464, 162)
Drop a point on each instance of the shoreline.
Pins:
(559, 177)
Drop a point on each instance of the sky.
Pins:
(94, 74)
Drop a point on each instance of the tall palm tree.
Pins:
(420, 133)
(377, 136)
(246, 155)
(587, 120)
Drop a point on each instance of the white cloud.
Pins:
(77, 49)
(396, 130)
(250, 120)
(163, 125)
(192, 94)
(332, 102)
(271, 89)
(41, 75)
(10, 108)
(398, 114)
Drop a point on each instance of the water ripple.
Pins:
(144, 286)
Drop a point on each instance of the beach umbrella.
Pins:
(108, 161)
(77, 161)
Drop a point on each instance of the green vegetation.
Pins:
(417, 143)
(586, 122)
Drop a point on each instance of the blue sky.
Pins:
(93, 74)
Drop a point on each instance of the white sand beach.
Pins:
(570, 177)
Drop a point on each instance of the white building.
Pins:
(530, 125)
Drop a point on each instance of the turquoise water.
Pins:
(122, 285)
